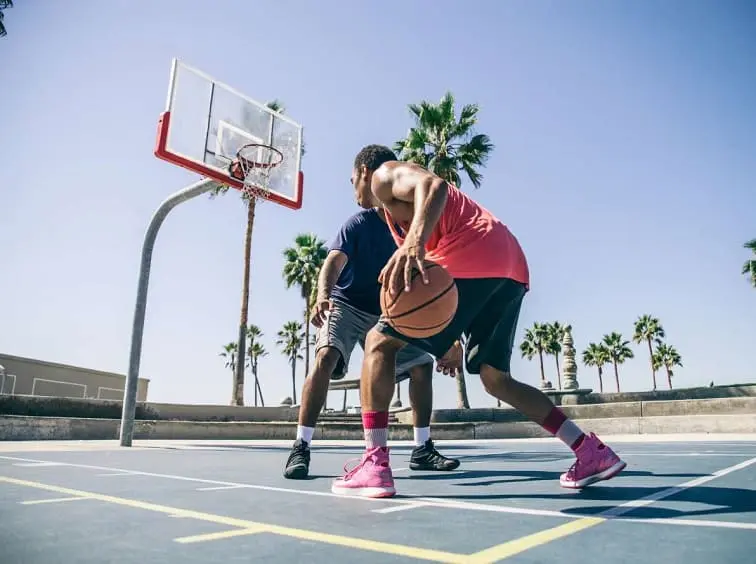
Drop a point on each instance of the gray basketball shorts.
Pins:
(347, 326)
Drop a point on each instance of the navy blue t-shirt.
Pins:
(366, 240)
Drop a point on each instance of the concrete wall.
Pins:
(32, 377)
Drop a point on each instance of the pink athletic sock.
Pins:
(563, 429)
(375, 424)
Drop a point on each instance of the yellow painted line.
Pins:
(220, 535)
(339, 540)
(53, 500)
(516, 546)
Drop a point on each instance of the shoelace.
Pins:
(360, 463)
(299, 452)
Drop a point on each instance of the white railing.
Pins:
(100, 389)
(4, 388)
(36, 380)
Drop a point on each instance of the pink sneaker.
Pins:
(595, 462)
(372, 477)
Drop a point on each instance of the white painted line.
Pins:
(217, 488)
(403, 507)
(455, 504)
(39, 464)
(692, 522)
(108, 474)
(52, 500)
(687, 454)
(669, 492)
(613, 513)
(441, 503)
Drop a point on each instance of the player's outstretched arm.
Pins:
(329, 274)
(425, 194)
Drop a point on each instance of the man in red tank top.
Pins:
(431, 219)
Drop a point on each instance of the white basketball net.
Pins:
(257, 163)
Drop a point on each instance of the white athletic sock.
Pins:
(422, 434)
(569, 433)
(305, 433)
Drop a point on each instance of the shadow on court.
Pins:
(721, 500)
(509, 476)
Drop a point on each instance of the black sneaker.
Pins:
(426, 457)
(298, 464)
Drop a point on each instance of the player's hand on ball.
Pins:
(451, 363)
(320, 311)
(397, 273)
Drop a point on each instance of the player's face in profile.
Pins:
(361, 183)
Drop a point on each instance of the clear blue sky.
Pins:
(625, 138)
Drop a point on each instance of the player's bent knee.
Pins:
(422, 373)
(326, 360)
(377, 343)
(494, 379)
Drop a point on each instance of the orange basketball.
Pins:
(426, 309)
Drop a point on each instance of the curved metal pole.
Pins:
(132, 378)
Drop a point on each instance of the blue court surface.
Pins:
(689, 500)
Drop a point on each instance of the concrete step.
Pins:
(724, 406)
(24, 428)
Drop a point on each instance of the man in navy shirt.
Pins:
(346, 308)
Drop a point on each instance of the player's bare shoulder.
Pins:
(396, 181)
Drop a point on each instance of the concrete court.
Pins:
(685, 499)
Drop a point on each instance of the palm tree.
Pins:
(597, 355)
(251, 203)
(447, 145)
(255, 352)
(3, 5)
(536, 342)
(749, 266)
(444, 144)
(290, 340)
(230, 354)
(668, 357)
(649, 329)
(619, 352)
(301, 268)
(554, 345)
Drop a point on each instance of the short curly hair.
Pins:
(373, 156)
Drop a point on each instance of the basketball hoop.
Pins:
(253, 166)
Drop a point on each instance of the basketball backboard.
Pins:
(206, 122)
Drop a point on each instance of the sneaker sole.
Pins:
(415, 466)
(607, 474)
(373, 492)
(296, 472)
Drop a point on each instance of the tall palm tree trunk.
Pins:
(651, 360)
(307, 333)
(462, 401)
(258, 388)
(238, 394)
(540, 358)
(601, 380)
(616, 375)
(294, 381)
(669, 377)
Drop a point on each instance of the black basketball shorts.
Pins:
(488, 310)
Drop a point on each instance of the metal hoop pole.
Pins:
(132, 379)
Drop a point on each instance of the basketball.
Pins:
(426, 309)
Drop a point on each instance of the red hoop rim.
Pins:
(250, 163)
